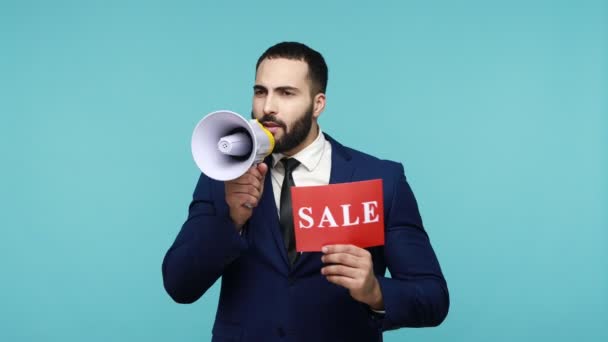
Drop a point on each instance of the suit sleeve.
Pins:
(207, 242)
(416, 295)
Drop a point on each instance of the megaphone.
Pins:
(225, 145)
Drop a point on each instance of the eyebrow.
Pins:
(290, 88)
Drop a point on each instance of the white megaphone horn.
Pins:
(225, 145)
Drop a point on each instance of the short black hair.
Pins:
(317, 69)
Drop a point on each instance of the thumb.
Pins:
(263, 169)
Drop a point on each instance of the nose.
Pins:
(270, 106)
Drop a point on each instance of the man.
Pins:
(242, 231)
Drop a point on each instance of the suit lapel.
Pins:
(342, 168)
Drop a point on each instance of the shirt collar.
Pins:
(310, 156)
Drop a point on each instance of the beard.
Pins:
(295, 135)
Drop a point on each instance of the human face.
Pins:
(295, 136)
(282, 102)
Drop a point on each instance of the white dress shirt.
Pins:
(314, 168)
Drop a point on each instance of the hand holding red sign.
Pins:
(352, 268)
(347, 213)
(340, 220)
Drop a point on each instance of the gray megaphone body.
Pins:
(225, 145)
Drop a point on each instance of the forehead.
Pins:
(278, 72)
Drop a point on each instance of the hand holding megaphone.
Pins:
(244, 193)
(228, 148)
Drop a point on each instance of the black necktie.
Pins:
(286, 212)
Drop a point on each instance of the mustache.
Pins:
(273, 119)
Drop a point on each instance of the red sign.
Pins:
(346, 213)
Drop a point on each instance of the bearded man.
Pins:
(242, 231)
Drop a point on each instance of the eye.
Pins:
(258, 92)
(288, 93)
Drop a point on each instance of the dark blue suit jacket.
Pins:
(263, 299)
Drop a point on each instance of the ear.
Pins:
(318, 105)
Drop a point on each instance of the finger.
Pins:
(350, 249)
(243, 200)
(342, 259)
(341, 270)
(247, 179)
(251, 203)
(249, 193)
(255, 172)
(262, 169)
(251, 200)
(245, 189)
(345, 282)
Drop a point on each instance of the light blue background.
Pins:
(499, 111)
